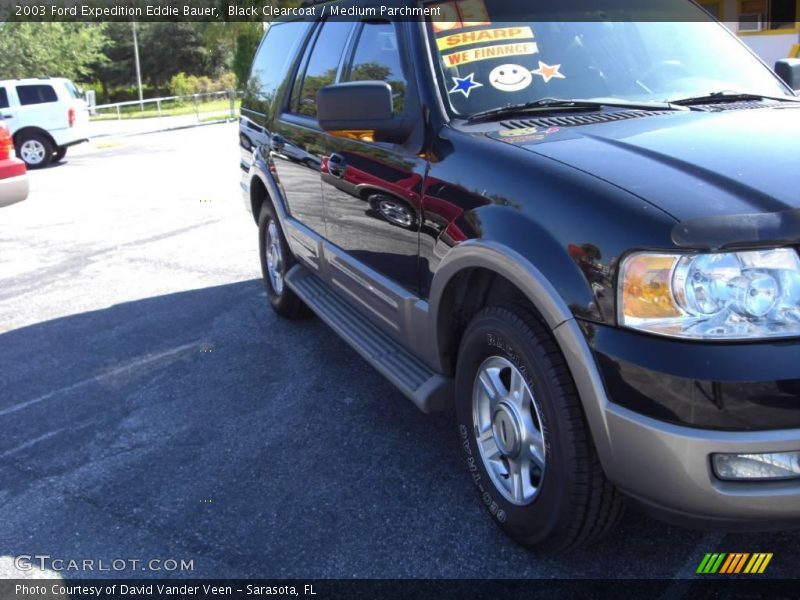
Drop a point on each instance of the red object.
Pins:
(10, 166)
(71, 116)
(6, 145)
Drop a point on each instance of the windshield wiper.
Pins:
(728, 96)
(552, 104)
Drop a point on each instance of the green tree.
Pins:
(50, 49)
(165, 49)
(119, 69)
(169, 48)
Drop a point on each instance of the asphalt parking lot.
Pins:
(152, 406)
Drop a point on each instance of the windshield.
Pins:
(496, 53)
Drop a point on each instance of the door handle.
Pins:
(276, 143)
(7, 116)
(337, 165)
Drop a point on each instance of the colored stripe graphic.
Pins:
(758, 563)
(711, 563)
(734, 563)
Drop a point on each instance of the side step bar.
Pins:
(430, 391)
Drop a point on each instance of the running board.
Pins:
(430, 391)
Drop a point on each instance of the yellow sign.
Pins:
(465, 38)
(489, 52)
(455, 15)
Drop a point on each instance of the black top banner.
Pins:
(96, 11)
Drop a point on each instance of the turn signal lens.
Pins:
(6, 145)
(646, 290)
(362, 135)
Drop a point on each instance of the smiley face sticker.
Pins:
(510, 78)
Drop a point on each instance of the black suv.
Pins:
(581, 232)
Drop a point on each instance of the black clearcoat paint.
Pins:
(573, 200)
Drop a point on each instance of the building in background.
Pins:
(770, 27)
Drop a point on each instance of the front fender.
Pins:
(508, 263)
(509, 243)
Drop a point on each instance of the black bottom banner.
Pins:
(400, 589)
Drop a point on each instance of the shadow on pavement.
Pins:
(197, 425)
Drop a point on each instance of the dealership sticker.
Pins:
(456, 15)
(518, 132)
(467, 56)
(465, 38)
(548, 72)
(465, 85)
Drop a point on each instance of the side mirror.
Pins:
(361, 110)
(788, 69)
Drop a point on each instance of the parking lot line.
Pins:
(150, 358)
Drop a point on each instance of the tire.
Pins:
(276, 260)
(535, 427)
(59, 153)
(393, 210)
(35, 149)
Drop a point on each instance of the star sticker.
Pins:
(465, 84)
(548, 72)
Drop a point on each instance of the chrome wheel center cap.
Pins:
(506, 429)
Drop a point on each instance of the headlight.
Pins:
(723, 296)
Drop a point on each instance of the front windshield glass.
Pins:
(495, 53)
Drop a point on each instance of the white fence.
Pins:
(161, 114)
(207, 106)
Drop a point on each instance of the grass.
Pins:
(168, 109)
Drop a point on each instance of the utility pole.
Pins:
(138, 67)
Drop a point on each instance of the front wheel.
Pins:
(276, 260)
(528, 449)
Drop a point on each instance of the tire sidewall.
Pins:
(549, 512)
(48, 150)
(59, 152)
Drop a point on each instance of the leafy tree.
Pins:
(50, 49)
(165, 49)
(118, 68)
(169, 48)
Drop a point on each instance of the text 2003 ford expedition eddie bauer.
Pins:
(582, 233)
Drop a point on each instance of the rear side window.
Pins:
(73, 91)
(36, 94)
(271, 63)
(3, 98)
(321, 66)
(377, 58)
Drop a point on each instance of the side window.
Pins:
(321, 68)
(36, 94)
(271, 63)
(377, 58)
(3, 98)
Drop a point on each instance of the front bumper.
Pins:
(666, 466)
(724, 386)
(13, 189)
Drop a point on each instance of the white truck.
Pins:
(45, 116)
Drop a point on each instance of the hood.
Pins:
(692, 165)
